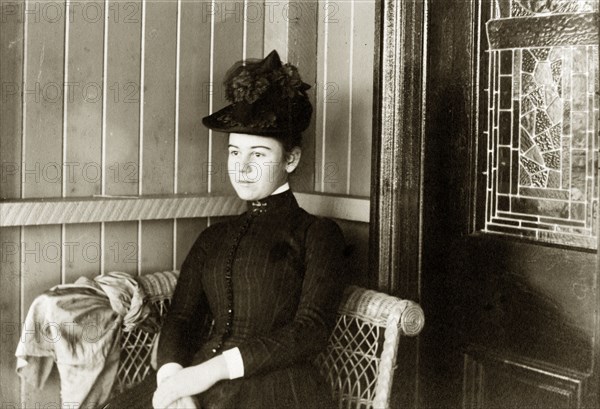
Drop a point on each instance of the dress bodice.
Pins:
(270, 278)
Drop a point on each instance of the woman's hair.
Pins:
(290, 141)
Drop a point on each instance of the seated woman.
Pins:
(271, 278)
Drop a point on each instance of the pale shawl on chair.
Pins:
(78, 326)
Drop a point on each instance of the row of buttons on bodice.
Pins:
(257, 208)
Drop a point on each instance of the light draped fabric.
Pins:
(78, 327)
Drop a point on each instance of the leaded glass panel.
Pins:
(542, 112)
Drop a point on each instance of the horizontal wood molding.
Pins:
(119, 209)
(115, 209)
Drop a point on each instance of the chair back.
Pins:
(359, 360)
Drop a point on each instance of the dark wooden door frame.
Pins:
(396, 232)
(396, 187)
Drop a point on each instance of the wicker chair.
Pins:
(137, 345)
(358, 362)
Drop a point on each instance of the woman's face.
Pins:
(257, 165)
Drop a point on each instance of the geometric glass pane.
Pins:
(541, 133)
(542, 7)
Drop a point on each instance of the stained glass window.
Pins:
(541, 134)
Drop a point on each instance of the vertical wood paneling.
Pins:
(109, 139)
(254, 18)
(43, 94)
(194, 95)
(41, 258)
(82, 251)
(276, 26)
(120, 247)
(227, 26)
(82, 171)
(344, 97)
(301, 52)
(337, 20)
(319, 107)
(121, 128)
(361, 127)
(188, 231)
(10, 314)
(159, 97)
(156, 246)
(11, 73)
(41, 269)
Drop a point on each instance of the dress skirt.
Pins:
(296, 387)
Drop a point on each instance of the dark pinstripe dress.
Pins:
(272, 279)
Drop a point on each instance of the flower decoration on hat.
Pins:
(244, 87)
(250, 82)
(266, 96)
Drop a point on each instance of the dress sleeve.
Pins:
(188, 312)
(307, 334)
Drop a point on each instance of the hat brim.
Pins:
(216, 123)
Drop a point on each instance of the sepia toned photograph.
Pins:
(299, 204)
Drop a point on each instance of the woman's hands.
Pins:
(188, 382)
(167, 371)
(184, 403)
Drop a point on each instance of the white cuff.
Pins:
(167, 370)
(234, 362)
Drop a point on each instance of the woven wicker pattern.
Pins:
(360, 358)
(136, 345)
(358, 363)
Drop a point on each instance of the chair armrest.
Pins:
(360, 358)
(378, 309)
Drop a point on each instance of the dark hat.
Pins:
(267, 98)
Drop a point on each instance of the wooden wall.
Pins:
(105, 99)
(345, 98)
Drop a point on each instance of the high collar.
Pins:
(273, 202)
(282, 188)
